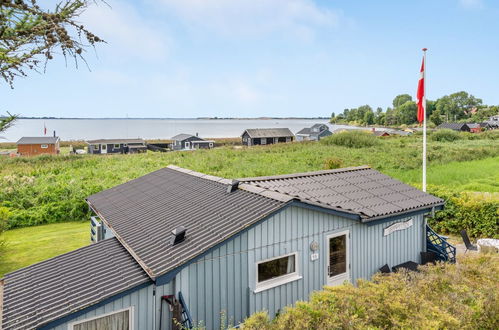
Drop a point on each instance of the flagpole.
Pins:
(424, 119)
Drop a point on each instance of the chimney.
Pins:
(178, 235)
(54, 133)
(233, 186)
(197, 134)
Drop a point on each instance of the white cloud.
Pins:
(471, 4)
(254, 17)
(127, 33)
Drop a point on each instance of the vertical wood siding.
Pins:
(141, 300)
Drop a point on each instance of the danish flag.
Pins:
(420, 95)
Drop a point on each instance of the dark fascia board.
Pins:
(167, 277)
(72, 316)
(398, 216)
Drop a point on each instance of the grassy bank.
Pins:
(26, 246)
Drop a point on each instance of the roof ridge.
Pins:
(305, 174)
(200, 175)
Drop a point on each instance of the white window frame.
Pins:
(277, 281)
(44, 146)
(130, 318)
(346, 276)
(211, 144)
(116, 146)
(187, 145)
(95, 146)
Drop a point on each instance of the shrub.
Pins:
(442, 296)
(352, 139)
(332, 163)
(490, 135)
(445, 135)
(478, 213)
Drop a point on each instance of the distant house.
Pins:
(474, 128)
(190, 142)
(262, 136)
(494, 118)
(39, 145)
(314, 133)
(460, 127)
(490, 124)
(182, 244)
(381, 133)
(116, 146)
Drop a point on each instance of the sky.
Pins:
(253, 58)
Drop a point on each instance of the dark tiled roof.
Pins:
(473, 125)
(49, 290)
(454, 126)
(358, 190)
(144, 211)
(182, 137)
(306, 131)
(38, 140)
(268, 132)
(115, 141)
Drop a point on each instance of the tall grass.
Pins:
(50, 189)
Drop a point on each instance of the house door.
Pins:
(103, 149)
(338, 259)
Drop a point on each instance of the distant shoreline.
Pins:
(199, 118)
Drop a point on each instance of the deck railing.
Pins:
(439, 245)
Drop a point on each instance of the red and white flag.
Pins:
(420, 95)
(44, 129)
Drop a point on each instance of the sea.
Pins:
(89, 129)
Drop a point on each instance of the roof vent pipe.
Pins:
(178, 235)
(233, 186)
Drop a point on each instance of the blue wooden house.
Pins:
(314, 133)
(178, 244)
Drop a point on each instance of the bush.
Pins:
(478, 213)
(332, 163)
(445, 135)
(442, 296)
(352, 139)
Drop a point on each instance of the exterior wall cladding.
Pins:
(220, 285)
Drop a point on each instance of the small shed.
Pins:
(190, 142)
(314, 133)
(116, 146)
(381, 133)
(262, 136)
(39, 145)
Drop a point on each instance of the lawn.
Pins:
(26, 246)
(477, 175)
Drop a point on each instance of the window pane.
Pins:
(117, 321)
(337, 255)
(275, 268)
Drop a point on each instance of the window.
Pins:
(96, 147)
(44, 146)
(211, 145)
(276, 271)
(117, 146)
(187, 145)
(119, 320)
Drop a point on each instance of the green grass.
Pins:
(26, 246)
(478, 175)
